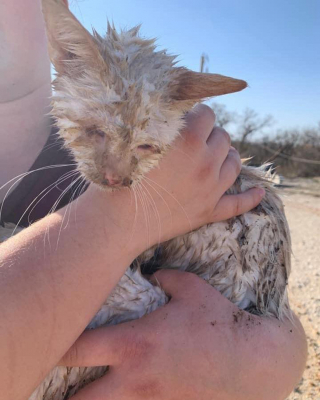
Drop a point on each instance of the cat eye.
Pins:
(99, 133)
(95, 131)
(145, 147)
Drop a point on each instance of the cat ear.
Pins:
(71, 47)
(190, 85)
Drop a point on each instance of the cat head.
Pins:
(118, 103)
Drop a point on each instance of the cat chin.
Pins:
(110, 189)
(106, 188)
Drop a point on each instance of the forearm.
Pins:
(24, 86)
(272, 355)
(49, 292)
(199, 346)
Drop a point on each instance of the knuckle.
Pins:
(195, 143)
(191, 140)
(226, 135)
(205, 112)
(234, 157)
(223, 133)
(135, 348)
(237, 206)
(205, 171)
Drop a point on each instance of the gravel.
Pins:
(303, 213)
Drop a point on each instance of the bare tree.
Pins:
(223, 117)
(249, 124)
(294, 152)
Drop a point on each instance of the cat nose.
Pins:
(112, 180)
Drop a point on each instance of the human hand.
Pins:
(186, 191)
(198, 346)
(198, 171)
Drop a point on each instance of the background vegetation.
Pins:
(294, 152)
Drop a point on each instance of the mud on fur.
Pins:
(119, 104)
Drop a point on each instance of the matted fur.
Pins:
(114, 94)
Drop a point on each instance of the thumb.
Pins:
(177, 284)
(231, 205)
(109, 345)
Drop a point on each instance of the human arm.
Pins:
(52, 282)
(198, 346)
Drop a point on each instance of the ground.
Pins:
(302, 204)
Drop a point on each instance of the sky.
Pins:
(272, 44)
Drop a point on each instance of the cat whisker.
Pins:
(45, 191)
(145, 212)
(72, 198)
(179, 204)
(184, 153)
(50, 146)
(19, 177)
(143, 204)
(154, 206)
(54, 207)
(135, 212)
(64, 215)
(63, 178)
(78, 180)
(24, 174)
(162, 198)
(84, 185)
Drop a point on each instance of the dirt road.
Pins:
(303, 213)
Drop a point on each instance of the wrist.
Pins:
(116, 217)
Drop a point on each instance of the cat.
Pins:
(119, 105)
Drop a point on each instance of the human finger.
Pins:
(219, 144)
(230, 169)
(177, 284)
(199, 123)
(114, 344)
(232, 205)
(110, 345)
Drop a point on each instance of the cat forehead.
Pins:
(92, 103)
(133, 54)
(112, 111)
(123, 99)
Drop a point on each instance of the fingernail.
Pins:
(262, 192)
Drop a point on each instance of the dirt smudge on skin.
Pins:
(237, 316)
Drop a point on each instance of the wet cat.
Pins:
(119, 105)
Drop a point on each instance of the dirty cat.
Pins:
(119, 105)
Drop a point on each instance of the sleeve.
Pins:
(46, 183)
